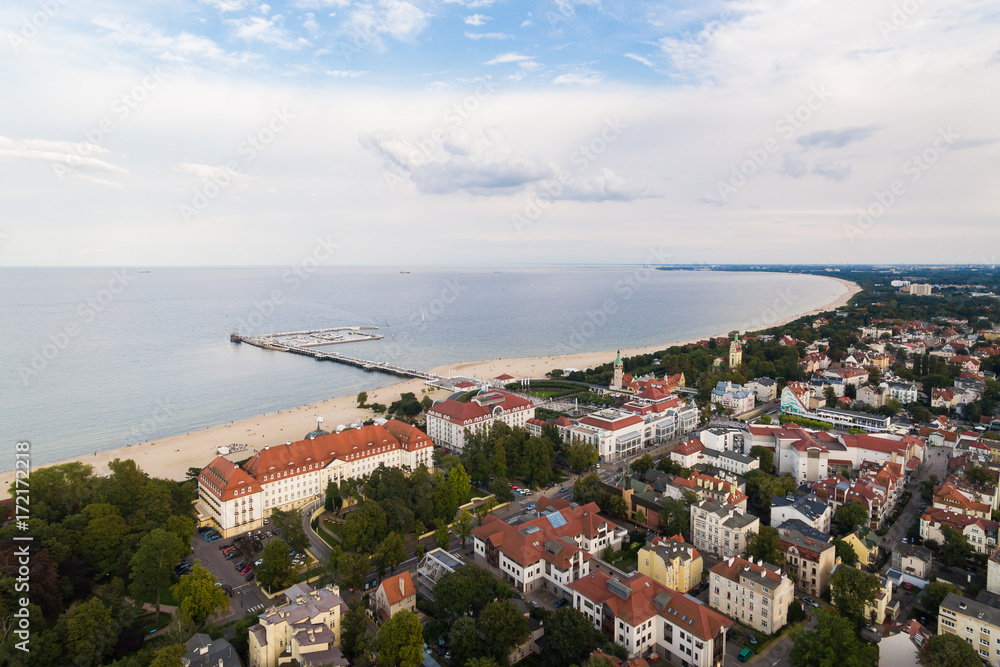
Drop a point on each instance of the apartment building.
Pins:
(549, 552)
(647, 618)
(721, 529)
(306, 628)
(976, 623)
(981, 533)
(757, 594)
(671, 562)
(809, 561)
(806, 507)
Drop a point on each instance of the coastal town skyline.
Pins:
(466, 132)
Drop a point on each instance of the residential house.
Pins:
(688, 453)
(764, 389)
(671, 562)
(731, 462)
(721, 529)
(306, 628)
(873, 396)
(944, 398)
(393, 595)
(203, 651)
(913, 559)
(647, 618)
(903, 392)
(807, 508)
(733, 397)
(900, 646)
(865, 543)
(757, 594)
(808, 560)
(981, 533)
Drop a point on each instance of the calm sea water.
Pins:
(96, 358)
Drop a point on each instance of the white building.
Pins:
(765, 389)
(236, 499)
(721, 529)
(722, 439)
(806, 508)
(647, 618)
(734, 397)
(550, 552)
(448, 420)
(738, 464)
(757, 594)
(903, 392)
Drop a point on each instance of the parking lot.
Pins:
(246, 596)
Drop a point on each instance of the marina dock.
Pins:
(307, 342)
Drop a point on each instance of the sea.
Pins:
(96, 358)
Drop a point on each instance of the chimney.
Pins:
(402, 586)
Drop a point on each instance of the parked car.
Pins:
(250, 576)
(810, 602)
(246, 570)
(231, 555)
(530, 507)
(223, 547)
(259, 561)
(561, 603)
(745, 655)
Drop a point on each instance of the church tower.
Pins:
(735, 352)
(619, 372)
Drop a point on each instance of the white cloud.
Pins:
(485, 165)
(346, 74)
(470, 4)
(509, 58)
(267, 31)
(181, 48)
(228, 5)
(398, 19)
(476, 19)
(488, 35)
(580, 78)
(65, 158)
(640, 59)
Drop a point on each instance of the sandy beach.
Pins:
(172, 457)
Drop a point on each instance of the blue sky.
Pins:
(491, 132)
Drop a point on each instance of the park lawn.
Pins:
(627, 559)
(476, 492)
(328, 537)
(147, 622)
(166, 596)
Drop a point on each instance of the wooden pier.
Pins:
(306, 342)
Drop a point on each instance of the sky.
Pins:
(491, 132)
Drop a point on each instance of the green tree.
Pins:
(103, 538)
(830, 396)
(275, 569)
(848, 556)
(570, 638)
(90, 632)
(354, 569)
(640, 518)
(426, 403)
(362, 398)
(580, 455)
(795, 612)
(642, 464)
(766, 545)
(153, 563)
(503, 628)
(935, 593)
(764, 455)
(390, 553)
(956, 549)
(833, 643)
(198, 595)
(765, 419)
(948, 650)
(980, 477)
(181, 526)
(442, 536)
(169, 656)
(464, 641)
(501, 490)
(849, 516)
(353, 633)
(468, 589)
(851, 590)
(485, 661)
(675, 517)
(399, 641)
(364, 528)
(463, 526)
(292, 531)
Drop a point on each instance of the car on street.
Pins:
(810, 602)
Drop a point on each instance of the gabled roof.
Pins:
(398, 587)
(225, 480)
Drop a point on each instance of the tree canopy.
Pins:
(948, 650)
(399, 641)
(832, 643)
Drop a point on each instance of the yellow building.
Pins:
(865, 544)
(671, 562)
(735, 352)
(972, 621)
(305, 628)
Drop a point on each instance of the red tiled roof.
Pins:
(461, 413)
(398, 587)
(225, 480)
(617, 424)
(505, 377)
(731, 569)
(646, 599)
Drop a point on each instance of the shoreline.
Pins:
(172, 457)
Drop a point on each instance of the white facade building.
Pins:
(448, 420)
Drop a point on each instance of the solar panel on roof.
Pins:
(556, 519)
